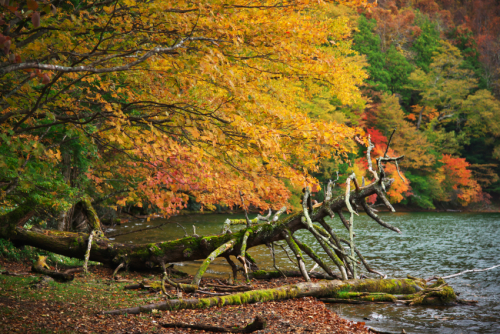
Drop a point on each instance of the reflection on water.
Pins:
(431, 244)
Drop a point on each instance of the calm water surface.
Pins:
(431, 244)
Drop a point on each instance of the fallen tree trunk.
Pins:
(145, 256)
(362, 290)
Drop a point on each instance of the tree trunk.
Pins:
(145, 256)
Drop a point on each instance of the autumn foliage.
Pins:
(148, 103)
(459, 178)
(154, 104)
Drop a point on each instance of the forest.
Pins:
(305, 111)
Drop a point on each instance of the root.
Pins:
(351, 219)
(367, 266)
(270, 274)
(343, 220)
(234, 267)
(323, 241)
(225, 247)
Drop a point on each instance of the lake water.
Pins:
(431, 244)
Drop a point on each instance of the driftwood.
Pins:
(256, 325)
(375, 290)
(463, 272)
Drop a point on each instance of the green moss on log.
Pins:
(369, 297)
(391, 286)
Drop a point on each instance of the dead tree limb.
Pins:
(245, 209)
(257, 324)
(310, 252)
(298, 254)
(243, 252)
(271, 248)
(464, 272)
(376, 218)
(326, 289)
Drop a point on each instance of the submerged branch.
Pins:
(463, 272)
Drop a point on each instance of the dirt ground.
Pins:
(74, 307)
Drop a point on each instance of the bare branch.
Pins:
(464, 272)
(91, 69)
(351, 219)
(376, 218)
(245, 209)
(185, 232)
(368, 157)
(386, 201)
(367, 266)
(277, 214)
(389, 143)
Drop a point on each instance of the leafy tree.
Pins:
(407, 138)
(447, 85)
(427, 42)
(463, 39)
(425, 188)
(368, 43)
(149, 102)
(388, 67)
(459, 182)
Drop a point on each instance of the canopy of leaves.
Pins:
(143, 103)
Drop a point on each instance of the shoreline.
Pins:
(70, 307)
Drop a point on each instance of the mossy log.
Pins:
(361, 290)
(146, 256)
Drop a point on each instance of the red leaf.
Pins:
(45, 79)
(35, 19)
